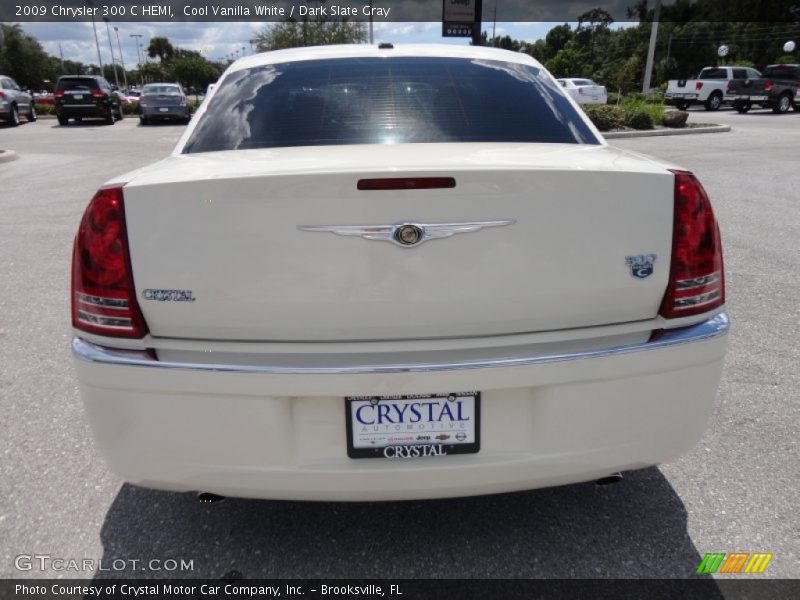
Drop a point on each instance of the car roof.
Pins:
(373, 50)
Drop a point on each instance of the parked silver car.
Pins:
(163, 101)
(14, 101)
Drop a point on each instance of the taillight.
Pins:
(98, 93)
(580, 91)
(59, 94)
(2, 95)
(103, 295)
(698, 85)
(696, 278)
(183, 100)
(728, 86)
(768, 86)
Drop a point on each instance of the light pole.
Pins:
(96, 40)
(111, 47)
(651, 50)
(121, 60)
(138, 43)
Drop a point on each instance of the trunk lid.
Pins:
(223, 227)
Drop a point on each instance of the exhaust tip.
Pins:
(209, 498)
(613, 478)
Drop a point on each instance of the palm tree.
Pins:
(160, 47)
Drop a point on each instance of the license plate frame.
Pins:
(441, 446)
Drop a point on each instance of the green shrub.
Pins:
(649, 98)
(655, 112)
(614, 98)
(130, 109)
(638, 119)
(604, 116)
(45, 109)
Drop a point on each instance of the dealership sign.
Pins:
(458, 17)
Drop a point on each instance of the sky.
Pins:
(216, 41)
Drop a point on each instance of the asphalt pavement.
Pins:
(736, 490)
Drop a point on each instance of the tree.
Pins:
(22, 57)
(320, 32)
(567, 63)
(160, 47)
(192, 71)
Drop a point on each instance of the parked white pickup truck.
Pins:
(708, 88)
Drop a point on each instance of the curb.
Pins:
(665, 132)
(8, 156)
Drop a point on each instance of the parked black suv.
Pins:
(86, 96)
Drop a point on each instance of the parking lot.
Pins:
(736, 491)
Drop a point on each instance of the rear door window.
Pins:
(782, 72)
(713, 73)
(76, 83)
(386, 101)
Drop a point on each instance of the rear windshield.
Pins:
(782, 71)
(170, 90)
(583, 82)
(77, 83)
(713, 74)
(386, 101)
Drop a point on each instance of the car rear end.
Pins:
(78, 97)
(251, 318)
(163, 102)
(588, 92)
(683, 92)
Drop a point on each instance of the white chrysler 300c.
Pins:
(376, 272)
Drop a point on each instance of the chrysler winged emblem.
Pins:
(406, 235)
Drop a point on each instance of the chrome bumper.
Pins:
(93, 353)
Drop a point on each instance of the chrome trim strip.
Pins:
(103, 302)
(697, 300)
(713, 327)
(697, 282)
(111, 322)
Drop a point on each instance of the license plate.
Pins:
(164, 109)
(78, 96)
(415, 426)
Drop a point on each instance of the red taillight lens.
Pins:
(103, 295)
(59, 94)
(698, 85)
(98, 93)
(406, 183)
(696, 278)
(2, 95)
(729, 85)
(768, 86)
